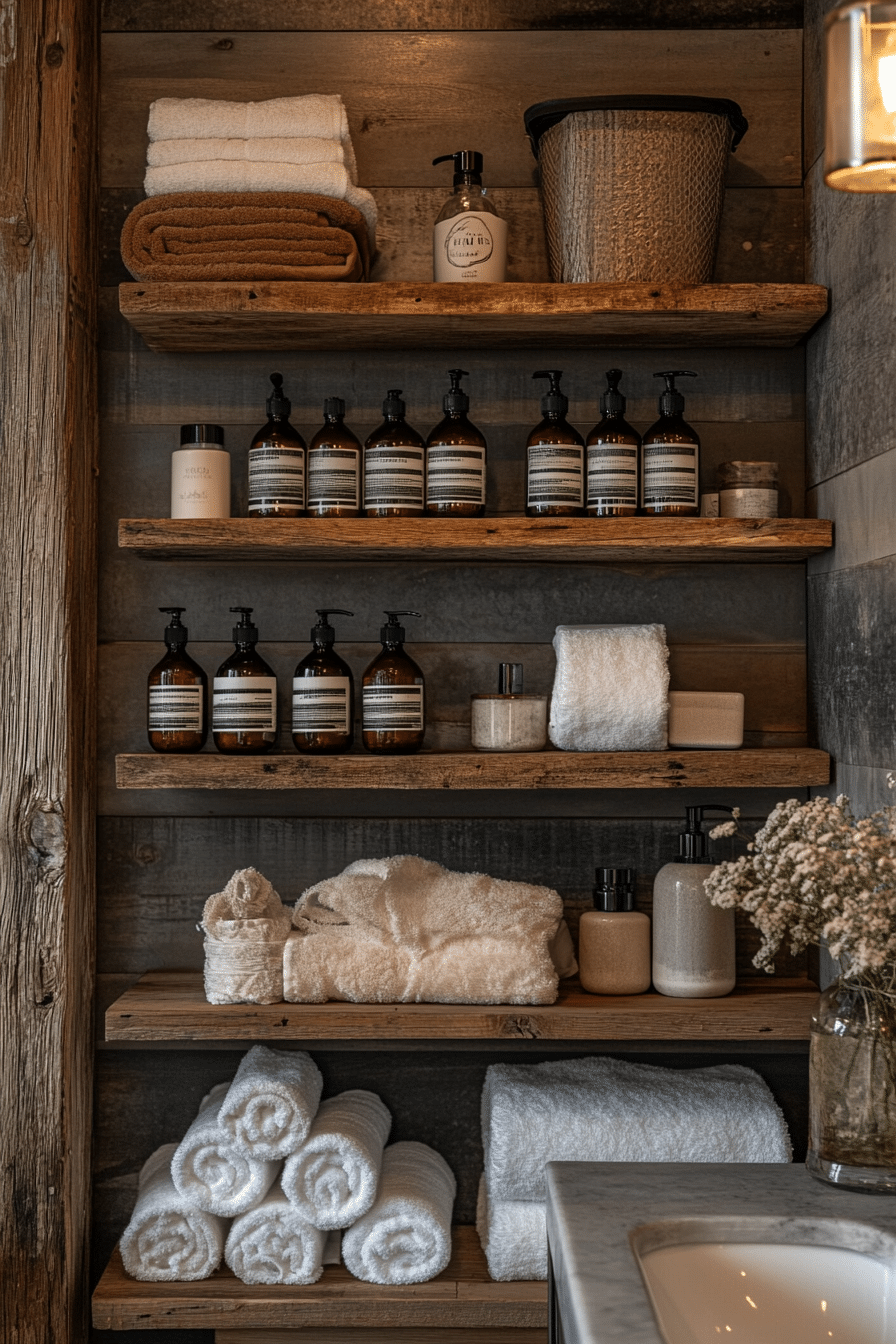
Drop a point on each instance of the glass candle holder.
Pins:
(509, 722)
(860, 129)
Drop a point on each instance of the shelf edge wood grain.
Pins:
(502, 538)
(171, 1006)
(285, 315)
(770, 767)
(464, 1296)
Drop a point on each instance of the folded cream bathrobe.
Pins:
(406, 930)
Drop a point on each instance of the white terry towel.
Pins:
(169, 1240)
(208, 1170)
(406, 1236)
(601, 1109)
(246, 926)
(332, 1179)
(611, 688)
(292, 149)
(271, 1102)
(406, 930)
(514, 1236)
(275, 1244)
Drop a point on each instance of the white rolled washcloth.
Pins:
(611, 688)
(406, 1236)
(332, 1180)
(211, 1173)
(246, 926)
(406, 930)
(514, 1236)
(271, 1102)
(169, 1240)
(601, 1109)
(273, 1243)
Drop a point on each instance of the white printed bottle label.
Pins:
(321, 705)
(612, 475)
(555, 474)
(393, 477)
(175, 709)
(392, 709)
(472, 246)
(455, 474)
(245, 705)
(670, 474)
(276, 476)
(333, 477)
(748, 502)
(200, 482)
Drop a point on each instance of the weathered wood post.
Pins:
(49, 81)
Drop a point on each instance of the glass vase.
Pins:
(852, 1089)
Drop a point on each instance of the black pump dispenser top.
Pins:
(456, 401)
(692, 841)
(671, 401)
(245, 632)
(553, 402)
(323, 632)
(278, 405)
(393, 405)
(612, 401)
(393, 633)
(467, 166)
(334, 407)
(175, 632)
(614, 889)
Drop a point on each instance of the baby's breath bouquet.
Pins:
(814, 872)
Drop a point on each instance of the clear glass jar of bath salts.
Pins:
(509, 722)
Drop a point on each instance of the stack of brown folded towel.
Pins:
(221, 235)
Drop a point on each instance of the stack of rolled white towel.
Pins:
(267, 1176)
(299, 144)
(601, 1109)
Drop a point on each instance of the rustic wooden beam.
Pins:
(48, 68)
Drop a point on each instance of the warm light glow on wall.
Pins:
(860, 132)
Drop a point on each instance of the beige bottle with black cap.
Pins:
(693, 940)
(469, 239)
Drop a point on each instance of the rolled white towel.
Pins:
(271, 1102)
(211, 1173)
(246, 927)
(273, 1243)
(611, 688)
(278, 149)
(169, 1240)
(601, 1109)
(406, 1236)
(514, 1236)
(332, 1179)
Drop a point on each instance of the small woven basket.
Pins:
(634, 194)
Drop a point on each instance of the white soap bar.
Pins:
(709, 719)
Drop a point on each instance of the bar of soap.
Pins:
(708, 719)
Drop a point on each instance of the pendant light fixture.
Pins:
(860, 130)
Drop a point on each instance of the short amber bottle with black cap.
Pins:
(394, 465)
(177, 694)
(323, 699)
(554, 458)
(244, 696)
(277, 462)
(613, 451)
(455, 459)
(334, 466)
(670, 482)
(392, 695)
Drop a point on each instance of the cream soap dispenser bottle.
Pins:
(469, 239)
(614, 937)
(693, 940)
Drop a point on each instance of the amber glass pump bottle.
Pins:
(613, 449)
(244, 698)
(392, 695)
(177, 718)
(323, 701)
(334, 466)
(671, 457)
(277, 462)
(554, 453)
(394, 461)
(455, 459)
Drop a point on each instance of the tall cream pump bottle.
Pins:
(469, 239)
(693, 940)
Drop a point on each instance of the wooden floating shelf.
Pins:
(463, 1296)
(504, 538)
(770, 767)
(171, 1006)
(285, 315)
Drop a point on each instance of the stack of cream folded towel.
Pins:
(601, 1109)
(246, 926)
(299, 144)
(267, 1176)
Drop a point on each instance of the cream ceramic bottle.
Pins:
(693, 940)
(469, 239)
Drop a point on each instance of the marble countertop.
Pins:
(592, 1207)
